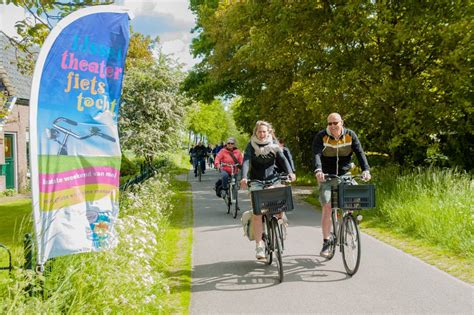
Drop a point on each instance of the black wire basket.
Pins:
(356, 197)
(273, 200)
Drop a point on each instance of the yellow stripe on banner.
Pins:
(69, 197)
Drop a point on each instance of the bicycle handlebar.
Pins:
(94, 131)
(229, 164)
(346, 177)
(282, 178)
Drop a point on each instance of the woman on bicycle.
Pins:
(229, 155)
(260, 157)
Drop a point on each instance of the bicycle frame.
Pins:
(232, 189)
(345, 232)
(272, 230)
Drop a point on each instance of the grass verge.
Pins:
(15, 220)
(147, 272)
(178, 245)
(425, 213)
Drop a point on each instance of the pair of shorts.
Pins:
(325, 189)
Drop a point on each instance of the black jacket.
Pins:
(334, 156)
(263, 167)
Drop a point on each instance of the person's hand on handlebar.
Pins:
(292, 177)
(320, 176)
(366, 176)
(243, 183)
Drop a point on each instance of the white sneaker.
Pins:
(260, 251)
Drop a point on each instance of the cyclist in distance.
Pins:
(210, 157)
(229, 155)
(260, 156)
(200, 154)
(287, 154)
(192, 155)
(332, 151)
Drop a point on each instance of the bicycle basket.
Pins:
(356, 196)
(274, 200)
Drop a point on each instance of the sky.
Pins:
(171, 20)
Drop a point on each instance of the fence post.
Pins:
(9, 266)
(28, 250)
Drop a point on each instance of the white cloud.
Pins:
(9, 15)
(171, 20)
(176, 8)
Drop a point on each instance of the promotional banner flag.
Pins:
(74, 144)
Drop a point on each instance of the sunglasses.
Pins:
(333, 123)
(230, 143)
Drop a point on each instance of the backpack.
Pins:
(247, 224)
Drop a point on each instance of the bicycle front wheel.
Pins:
(268, 239)
(332, 235)
(199, 171)
(235, 195)
(228, 199)
(350, 244)
(278, 241)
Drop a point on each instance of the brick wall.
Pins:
(17, 124)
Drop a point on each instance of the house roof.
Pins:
(16, 83)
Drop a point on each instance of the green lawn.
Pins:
(14, 215)
(15, 221)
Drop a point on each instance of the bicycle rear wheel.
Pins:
(278, 241)
(350, 244)
(332, 235)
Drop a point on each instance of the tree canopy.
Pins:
(399, 72)
(152, 107)
(212, 120)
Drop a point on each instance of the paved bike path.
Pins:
(226, 278)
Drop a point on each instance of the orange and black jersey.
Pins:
(333, 156)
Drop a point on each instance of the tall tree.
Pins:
(387, 66)
(152, 108)
(209, 119)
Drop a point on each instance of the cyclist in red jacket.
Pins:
(230, 155)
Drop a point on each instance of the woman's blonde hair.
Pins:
(262, 123)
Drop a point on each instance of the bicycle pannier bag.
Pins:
(247, 224)
(218, 188)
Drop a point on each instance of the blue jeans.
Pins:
(225, 179)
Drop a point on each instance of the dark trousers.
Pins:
(203, 164)
(225, 179)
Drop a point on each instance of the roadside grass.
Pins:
(149, 271)
(305, 179)
(427, 213)
(177, 254)
(15, 220)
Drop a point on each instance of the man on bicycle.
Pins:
(332, 150)
(228, 155)
(200, 154)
